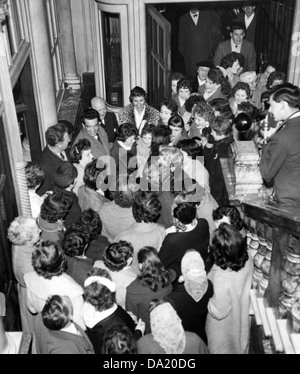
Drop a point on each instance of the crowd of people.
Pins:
(133, 245)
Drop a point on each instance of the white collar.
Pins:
(91, 316)
(71, 329)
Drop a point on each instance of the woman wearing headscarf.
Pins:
(191, 296)
(167, 333)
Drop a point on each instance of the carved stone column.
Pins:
(67, 42)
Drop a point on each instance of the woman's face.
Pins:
(240, 96)
(235, 67)
(210, 86)
(165, 114)
(176, 131)
(147, 138)
(200, 122)
(139, 103)
(130, 141)
(184, 93)
(86, 156)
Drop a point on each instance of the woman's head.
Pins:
(90, 175)
(57, 312)
(123, 194)
(99, 290)
(203, 115)
(90, 220)
(49, 260)
(35, 175)
(241, 92)
(146, 207)
(23, 230)
(228, 214)
(118, 255)
(184, 88)
(191, 146)
(221, 127)
(138, 97)
(127, 133)
(146, 133)
(234, 61)
(82, 152)
(275, 78)
(228, 248)
(176, 125)
(184, 214)
(55, 207)
(168, 108)
(75, 241)
(170, 156)
(118, 339)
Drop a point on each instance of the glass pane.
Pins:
(112, 58)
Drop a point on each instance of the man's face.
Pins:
(277, 110)
(101, 108)
(184, 93)
(176, 131)
(237, 36)
(248, 9)
(63, 145)
(92, 126)
(235, 67)
(165, 114)
(202, 72)
(253, 84)
(139, 102)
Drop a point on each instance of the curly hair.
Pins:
(146, 207)
(169, 104)
(79, 147)
(204, 110)
(232, 213)
(49, 260)
(191, 147)
(176, 76)
(138, 92)
(147, 129)
(90, 175)
(89, 114)
(97, 294)
(55, 134)
(125, 131)
(55, 206)
(222, 126)
(57, 312)
(185, 212)
(228, 248)
(192, 101)
(275, 76)
(217, 77)
(75, 241)
(228, 60)
(176, 121)
(123, 195)
(241, 86)
(35, 175)
(118, 339)
(184, 83)
(161, 136)
(250, 109)
(116, 255)
(91, 220)
(153, 273)
(21, 230)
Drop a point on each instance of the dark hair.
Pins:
(91, 173)
(161, 136)
(192, 101)
(185, 212)
(147, 129)
(75, 241)
(217, 77)
(286, 92)
(35, 175)
(170, 104)
(116, 255)
(176, 121)
(229, 59)
(78, 148)
(153, 272)
(204, 110)
(125, 131)
(229, 248)
(191, 147)
(222, 125)
(250, 109)
(184, 83)
(274, 65)
(48, 260)
(241, 86)
(89, 114)
(235, 25)
(232, 213)
(118, 339)
(176, 76)
(55, 206)
(65, 174)
(137, 92)
(123, 195)
(275, 76)
(146, 207)
(57, 312)
(97, 294)
(222, 106)
(91, 220)
(55, 134)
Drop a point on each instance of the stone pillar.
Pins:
(67, 42)
(42, 65)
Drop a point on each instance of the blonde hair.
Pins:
(173, 155)
(21, 229)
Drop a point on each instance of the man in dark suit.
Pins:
(280, 159)
(108, 120)
(249, 17)
(197, 31)
(54, 154)
(237, 43)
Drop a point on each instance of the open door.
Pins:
(158, 56)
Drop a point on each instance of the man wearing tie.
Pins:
(108, 119)
(92, 131)
(237, 43)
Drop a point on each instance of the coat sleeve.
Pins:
(252, 58)
(273, 157)
(219, 305)
(218, 55)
